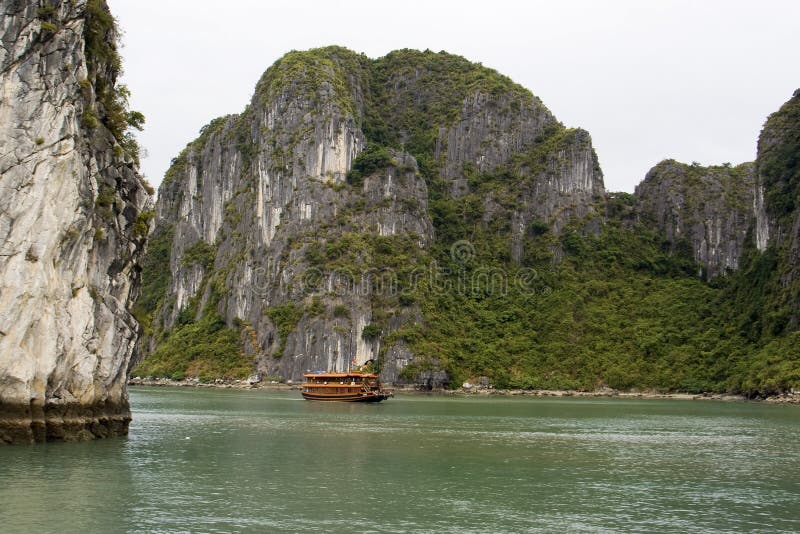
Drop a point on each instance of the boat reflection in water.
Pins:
(353, 386)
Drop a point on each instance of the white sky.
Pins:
(690, 80)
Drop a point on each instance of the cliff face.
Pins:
(778, 173)
(710, 211)
(705, 211)
(72, 225)
(299, 223)
(778, 199)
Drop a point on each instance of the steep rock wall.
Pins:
(71, 229)
(778, 199)
(705, 211)
(777, 170)
(308, 261)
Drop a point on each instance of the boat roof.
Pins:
(340, 375)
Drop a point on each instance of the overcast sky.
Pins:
(650, 80)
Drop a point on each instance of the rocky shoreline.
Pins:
(220, 383)
(785, 398)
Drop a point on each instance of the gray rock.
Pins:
(267, 190)
(708, 210)
(70, 199)
(777, 201)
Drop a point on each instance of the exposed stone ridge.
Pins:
(706, 211)
(72, 225)
(778, 173)
(261, 225)
(778, 197)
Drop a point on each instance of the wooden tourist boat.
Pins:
(353, 386)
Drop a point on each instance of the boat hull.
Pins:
(355, 397)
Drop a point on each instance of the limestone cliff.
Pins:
(296, 226)
(705, 211)
(777, 170)
(778, 200)
(72, 224)
(710, 212)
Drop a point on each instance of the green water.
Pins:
(267, 461)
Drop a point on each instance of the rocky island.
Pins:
(74, 216)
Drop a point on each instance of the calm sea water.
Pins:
(267, 461)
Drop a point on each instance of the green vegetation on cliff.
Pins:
(203, 347)
(764, 295)
(309, 74)
(200, 343)
(156, 276)
(206, 349)
(622, 308)
(618, 310)
(414, 93)
(104, 66)
(779, 161)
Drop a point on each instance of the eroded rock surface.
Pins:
(262, 226)
(72, 225)
(707, 211)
